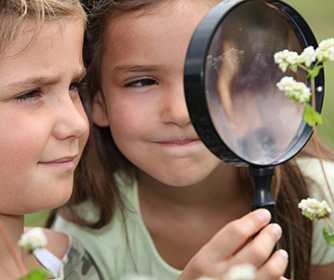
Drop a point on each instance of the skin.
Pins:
(43, 127)
(183, 188)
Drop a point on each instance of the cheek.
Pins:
(21, 144)
(127, 132)
(126, 121)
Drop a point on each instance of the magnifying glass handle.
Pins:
(262, 195)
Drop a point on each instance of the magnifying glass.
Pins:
(230, 85)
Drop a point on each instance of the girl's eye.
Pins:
(74, 86)
(29, 96)
(142, 83)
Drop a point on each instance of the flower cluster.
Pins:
(310, 60)
(324, 52)
(33, 239)
(241, 272)
(286, 58)
(312, 208)
(245, 271)
(294, 90)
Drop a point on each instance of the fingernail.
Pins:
(276, 229)
(264, 215)
(284, 253)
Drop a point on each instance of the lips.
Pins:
(64, 163)
(63, 160)
(179, 143)
(60, 160)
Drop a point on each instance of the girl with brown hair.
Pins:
(149, 198)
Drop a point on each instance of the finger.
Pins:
(261, 247)
(275, 267)
(234, 235)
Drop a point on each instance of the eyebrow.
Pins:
(44, 80)
(139, 68)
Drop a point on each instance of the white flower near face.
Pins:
(308, 56)
(33, 239)
(312, 208)
(241, 272)
(286, 58)
(294, 90)
(325, 50)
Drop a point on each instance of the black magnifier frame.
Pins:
(195, 76)
(196, 92)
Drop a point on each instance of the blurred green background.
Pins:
(319, 16)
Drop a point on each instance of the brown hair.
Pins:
(15, 13)
(102, 159)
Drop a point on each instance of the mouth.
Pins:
(177, 142)
(67, 162)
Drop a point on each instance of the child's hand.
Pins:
(230, 247)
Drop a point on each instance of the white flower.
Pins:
(312, 208)
(325, 50)
(308, 56)
(33, 239)
(241, 272)
(286, 58)
(297, 91)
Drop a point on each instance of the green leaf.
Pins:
(294, 68)
(329, 237)
(315, 71)
(37, 274)
(311, 117)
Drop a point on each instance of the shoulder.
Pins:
(312, 170)
(57, 243)
(320, 183)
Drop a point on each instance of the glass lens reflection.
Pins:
(253, 118)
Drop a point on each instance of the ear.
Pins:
(99, 111)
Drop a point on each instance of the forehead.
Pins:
(24, 34)
(56, 48)
(130, 30)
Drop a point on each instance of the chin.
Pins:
(181, 181)
(54, 199)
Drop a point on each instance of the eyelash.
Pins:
(29, 96)
(143, 83)
(77, 85)
(37, 93)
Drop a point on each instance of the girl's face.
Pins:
(142, 85)
(43, 126)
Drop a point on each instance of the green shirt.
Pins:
(110, 246)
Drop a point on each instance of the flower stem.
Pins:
(316, 142)
(329, 223)
(11, 250)
(32, 262)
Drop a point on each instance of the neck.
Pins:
(223, 185)
(11, 256)
(195, 212)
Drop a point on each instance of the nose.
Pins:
(174, 106)
(71, 119)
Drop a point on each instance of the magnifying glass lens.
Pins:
(250, 114)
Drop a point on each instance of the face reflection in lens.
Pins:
(253, 118)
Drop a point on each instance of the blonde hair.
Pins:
(14, 15)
